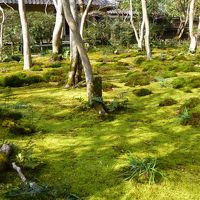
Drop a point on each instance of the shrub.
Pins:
(142, 92)
(167, 102)
(178, 83)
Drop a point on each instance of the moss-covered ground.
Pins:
(86, 155)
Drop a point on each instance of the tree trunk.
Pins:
(193, 37)
(80, 46)
(1, 32)
(25, 35)
(84, 16)
(57, 33)
(147, 30)
(183, 23)
(74, 55)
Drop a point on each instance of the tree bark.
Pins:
(139, 36)
(80, 46)
(84, 16)
(193, 37)
(57, 33)
(74, 55)
(25, 35)
(147, 29)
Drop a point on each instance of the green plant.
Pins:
(25, 158)
(145, 170)
(184, 117)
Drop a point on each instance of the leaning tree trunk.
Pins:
(147, 30)
(84, 16)
(193, 37)
(1, 31)
(183, 22)
(57, 33)
(25, 35)
(81, 48)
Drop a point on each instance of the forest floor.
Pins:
(86, 155)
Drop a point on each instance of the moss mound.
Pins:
(194, 82)
(167, 102)
(178, 83)
(106, 86)
(193, 120)
(142, 92)
(139, 60)
(190, 104)
(9, 114)
(137, 78)
(20, 79)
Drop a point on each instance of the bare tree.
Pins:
(25, 35)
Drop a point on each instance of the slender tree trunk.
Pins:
(147, 30)
(1, 31)
(80, 46)
(139, 35)
(25, 35)
(84, 16)
(183, 23)
(193, 37)
(74, 55)
(57, 33)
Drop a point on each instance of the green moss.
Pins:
(178, 83)
(3, 162)
(167, 102)
(9, 114)
(139, 60)
(106, 86)
(137, 78)
(36, 68)
(194, 82)
(142, 92)
(190, 104)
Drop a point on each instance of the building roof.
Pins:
(102, 3)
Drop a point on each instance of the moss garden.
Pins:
(145, 148)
